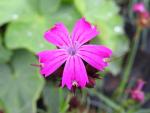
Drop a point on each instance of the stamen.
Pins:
(37, 65)
(74, 83)
(107, 60)
(74, 86)
(72, 51)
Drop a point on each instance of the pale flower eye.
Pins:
(71, 51)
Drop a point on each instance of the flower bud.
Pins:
(137, 94)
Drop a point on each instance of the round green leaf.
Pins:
(99, 9)
(5, 53)
(66, 14)
(20, 84)
(44, 7)
(28, 33)
(55, 99)
(11, 10)
(49, 6)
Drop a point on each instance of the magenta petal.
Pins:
(139, 7)
(100, 50)
(138, 95)
(48, 55)
(74, 71)
(51, 60)
(94, 55)
(83, 31)
(58, 35)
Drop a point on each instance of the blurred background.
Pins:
(24, 90)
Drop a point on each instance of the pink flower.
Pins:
(137, 94)
(72, 50)
(139, 7)
(143, 15)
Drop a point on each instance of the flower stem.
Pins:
(130, 62)
(109, 102)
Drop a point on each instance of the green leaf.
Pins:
(66, 14)
(1, 106)
(54, 99)
(5, 53)
(28, 34)
(97, 9)
(48, 7)
(51, 98)
(67, 1)
(44, 7)
(81, 6)
(115, 66)
(11, 10)
(20, 84)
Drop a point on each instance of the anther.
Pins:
(107, 60)
(72, 51)
(74, 83)
(37, 65)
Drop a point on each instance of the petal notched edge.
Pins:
(51, 60)
(83, 31)
(58, 35)
(94, 55)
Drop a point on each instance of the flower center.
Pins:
(72, 51)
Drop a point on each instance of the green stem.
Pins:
(109, 102)
(65, 105)
(129, 64)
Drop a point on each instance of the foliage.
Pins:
(20, 85)
(22, 24)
